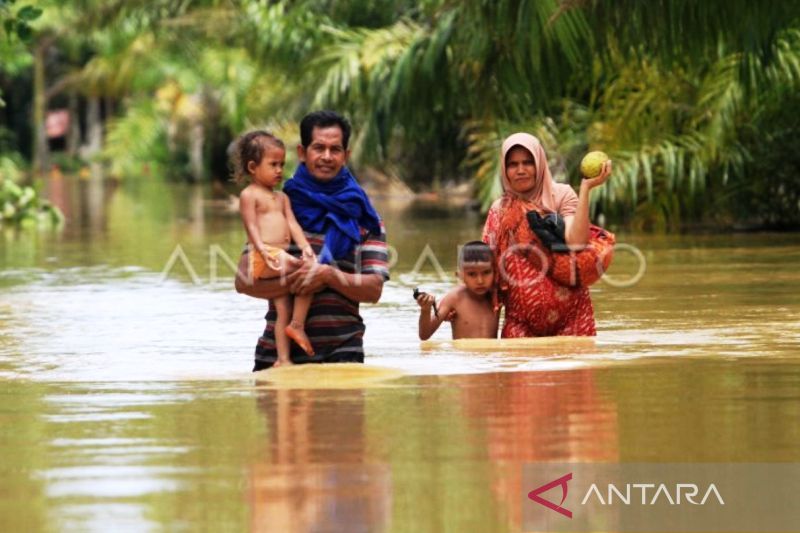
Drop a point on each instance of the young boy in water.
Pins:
(469, 307)
(270, 224)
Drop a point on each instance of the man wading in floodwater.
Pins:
(349, 239)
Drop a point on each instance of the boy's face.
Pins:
(270, 171)
(477, 277)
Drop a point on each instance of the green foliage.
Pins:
(767, 191)
(16, 26)
(10, 168)
(136, 142)
(681, 139)
(14, 57)
(17, 23)
(667, 95)
(21, 206)
(690, 99)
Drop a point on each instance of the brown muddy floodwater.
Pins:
(127, 401)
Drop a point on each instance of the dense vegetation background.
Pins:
(696, 101)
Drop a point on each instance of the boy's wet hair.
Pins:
(475, 252)
(323, 119)
(251, 147)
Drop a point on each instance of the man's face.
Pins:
(326, 155)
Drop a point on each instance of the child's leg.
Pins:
(297, 329)
(283, 305)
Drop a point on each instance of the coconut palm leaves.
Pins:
(679, 93)
(666, 95)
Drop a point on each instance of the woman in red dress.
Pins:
(537, 305)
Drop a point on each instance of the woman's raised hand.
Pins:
(605, 172)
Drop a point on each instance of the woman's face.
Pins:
(521, 170)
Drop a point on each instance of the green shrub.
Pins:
(21, 206)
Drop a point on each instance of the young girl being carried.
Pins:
(270, 224)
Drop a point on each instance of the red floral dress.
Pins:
(536, 305)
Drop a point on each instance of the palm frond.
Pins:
(136, 140)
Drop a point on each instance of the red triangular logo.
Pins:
(534, 495)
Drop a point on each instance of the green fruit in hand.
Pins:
(592, 164)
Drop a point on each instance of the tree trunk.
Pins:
(172, 136)
(41, 150)
(94, 127)
(108, 108)
(74, 133)
(196, 141)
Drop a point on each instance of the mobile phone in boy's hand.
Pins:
(418, 293)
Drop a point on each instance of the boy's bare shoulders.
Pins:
(474, 316)
(455, 294)
(460, 295)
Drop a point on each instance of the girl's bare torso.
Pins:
(272, 224)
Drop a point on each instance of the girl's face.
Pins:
(521, 170)
(269, 171)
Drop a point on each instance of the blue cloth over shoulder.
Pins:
(337, 208)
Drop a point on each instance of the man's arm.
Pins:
(312, 277)
(366, 286)
(359, 287)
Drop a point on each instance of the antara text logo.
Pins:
(606, 497)
(629, 494)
